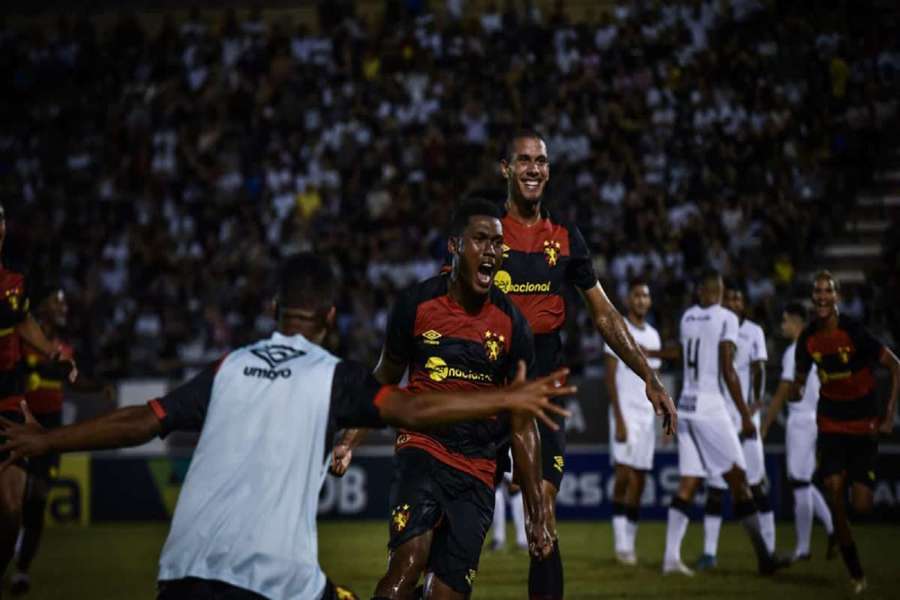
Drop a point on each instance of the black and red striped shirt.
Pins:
(44, 378)
(445, 348)
(13, 310)
(538, 262)
(844, 359)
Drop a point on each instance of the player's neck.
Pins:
(525, 213)
(830, 322)
(637, 321)
(468, 299)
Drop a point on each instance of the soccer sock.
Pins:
(499, 524)
(618, 524)
(746, 512)
(545, 577)
(712, 521)
(821, 510)
(851, 559)
(675, 529)
(766, 516)
(803, 515)
(632, 515)
(518, 516)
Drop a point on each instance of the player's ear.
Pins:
(330, 317)
(453, 245)
(505, 169)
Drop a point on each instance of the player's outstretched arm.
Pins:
(525, 443)
(610, 364)
(32, 333)
(423, 410)
(129, 426)
(612, 327)
(889, 360)
(781, 394)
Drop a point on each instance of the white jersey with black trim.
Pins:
(702, 330)
(751, 347)
(629, 386)
(246, 514)
(809, 399)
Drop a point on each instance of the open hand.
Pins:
(662, 404)
(533, 397)
(23, 440)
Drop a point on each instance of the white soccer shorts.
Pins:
(755, 460)
(708, 446)
(800, 445)
(640, 443)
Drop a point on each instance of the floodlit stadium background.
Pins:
(158, 162)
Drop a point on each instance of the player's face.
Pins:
(58, 309)
(711, 292)
(734, 301)
(479, 252)
(824, 298)
(788, 325)
(639, 301)
(527, 170)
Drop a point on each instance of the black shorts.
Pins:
(854, 455)
(548, 358)
(428, 495)
(46, 467)
(194, 588)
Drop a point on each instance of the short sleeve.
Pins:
(730, 328)
(787, 365)
(354, 391)
(521, 345)
(401, 322)
(759, 346)
(580, 268)
(184, 408)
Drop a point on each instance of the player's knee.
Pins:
(714, 499)
(680, 504)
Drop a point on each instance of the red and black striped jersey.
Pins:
(13, 310)
(445, 348)
(44, 379)
(844, 358)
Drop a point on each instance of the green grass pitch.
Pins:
(118, 562)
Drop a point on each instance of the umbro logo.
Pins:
(276, 355)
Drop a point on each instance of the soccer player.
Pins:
(750, 364)
(245, 523)
(632, 431)
(800, 439)
(457, 332)
(16, 325)
(849, 416)
(541, 256)
(708, 444)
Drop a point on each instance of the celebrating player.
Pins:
(16, 324)
(849, 416)
(456, 332)
(750, 364)
(542, 255)
(632, 430)
(245, 523)
(708, 444)
(800, 439)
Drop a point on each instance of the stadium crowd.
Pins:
(159, 174)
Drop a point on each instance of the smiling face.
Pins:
(477, 253)
(526, 170)
(825, 297)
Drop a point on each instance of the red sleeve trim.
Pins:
(383, 393)
(157, 409)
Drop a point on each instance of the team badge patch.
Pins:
(400, 518)
(493, 345)
(504, 251)
(551, 252)
(431, 337)
(558, 463)
(275, 354)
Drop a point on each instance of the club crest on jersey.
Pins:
(400, 518)
(493, 345)
(276, 354)
(551, 252)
